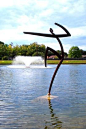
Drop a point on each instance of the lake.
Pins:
(22, 108)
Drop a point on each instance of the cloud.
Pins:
(5, 3)
(38, 16)
(78, 31)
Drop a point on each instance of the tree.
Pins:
(35, 49)
(23, 50)
(83, 52)
(2, 50)
(16, 51)
(38, 54)
(65, 54)
(1, 42)
(74, 52)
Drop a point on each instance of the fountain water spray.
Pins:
(28, 60)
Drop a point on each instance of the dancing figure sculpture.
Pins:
(61, 57)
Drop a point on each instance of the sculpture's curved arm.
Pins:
(49, 35)
(67, 32)
(52, 50)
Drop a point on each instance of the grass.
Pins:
(8, 62)
(5, 62)
(67, 61)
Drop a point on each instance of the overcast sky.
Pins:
(17, 16)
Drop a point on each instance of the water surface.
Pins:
(20, 88)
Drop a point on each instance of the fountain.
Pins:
(28, 62)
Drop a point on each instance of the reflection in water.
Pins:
(54, 123)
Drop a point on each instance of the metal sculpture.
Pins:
(61, 57)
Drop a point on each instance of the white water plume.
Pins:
(28, 60)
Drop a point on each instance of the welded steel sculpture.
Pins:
(61, 57)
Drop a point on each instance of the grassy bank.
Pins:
(8, 62)
(5, 62)
(67, 61)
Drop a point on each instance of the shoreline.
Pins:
(67, 61)
(9, 62)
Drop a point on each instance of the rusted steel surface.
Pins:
(61, 57)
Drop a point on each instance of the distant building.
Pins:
(83, 56)
(52, 57)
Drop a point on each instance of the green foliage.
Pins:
(1, 43)
(65, 54)
(9, 52)
(50, 53)
(2, 50)
(83, 52)
(35, 49)
(5, 58)
(74, 52)
(23, 50)
(58, 51)
(38, 54)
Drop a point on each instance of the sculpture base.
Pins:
(48, 97)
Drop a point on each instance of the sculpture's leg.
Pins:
(61, 59)
(46, 52)
(54, 75)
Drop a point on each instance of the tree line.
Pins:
(8, 52)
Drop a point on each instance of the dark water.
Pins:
(20, 108)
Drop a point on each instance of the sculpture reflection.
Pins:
(54, 121)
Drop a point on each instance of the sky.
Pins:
(17, 16)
